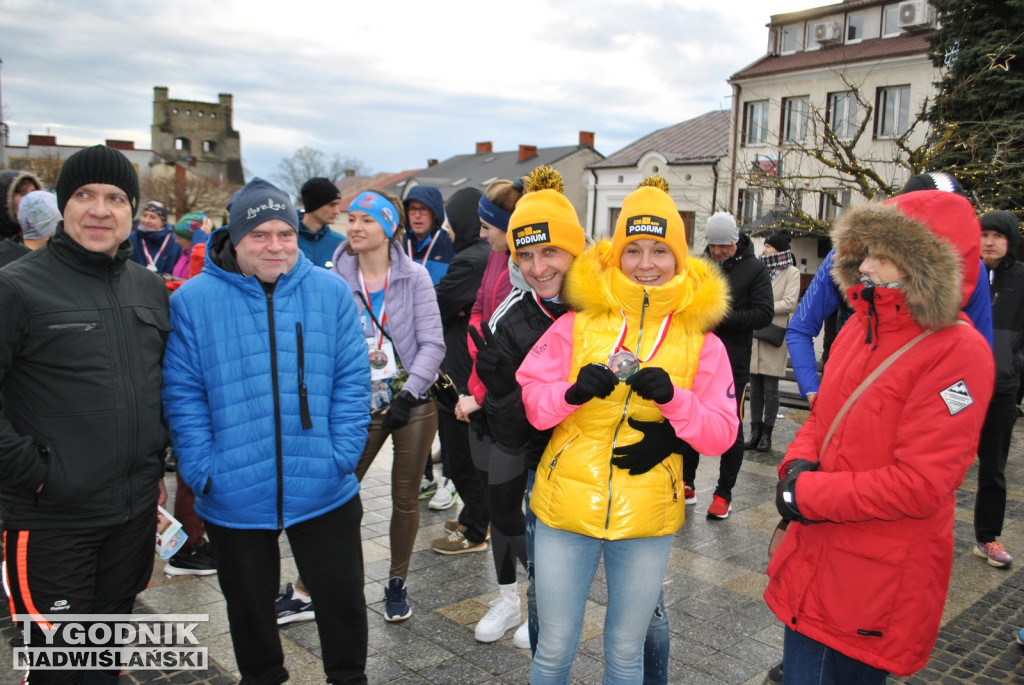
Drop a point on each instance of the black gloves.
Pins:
(397, 414)
(785, 491)
(652, 383)
(594, 380)
(658, 443)
(495, 368)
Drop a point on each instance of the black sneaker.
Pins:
(396, 606)
(774, 675)
(197, 561)
(291, 608)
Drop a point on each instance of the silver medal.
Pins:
(623, 364)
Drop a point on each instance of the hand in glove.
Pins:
(652, 384)
(659, 442)
(495, 368)
(397, 414)
(594, 380)
(785, 491)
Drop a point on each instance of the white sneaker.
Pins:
(522, 637)
(445, 496)
(502, 617)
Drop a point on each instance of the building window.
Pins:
(833, 201)
(757, 123)
(209, 146)
(855, 28)
(893, 109)
(891, 21)
(794, 123)
(183, 145)
(613, 217)
(842, 114)
(750, 206)
(790, 34)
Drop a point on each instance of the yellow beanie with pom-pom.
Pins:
(649, 213)
(544, 216)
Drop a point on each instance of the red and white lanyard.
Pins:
(662, 331)
(383, 318)
(426, 255)
(151, 260)
(540, 303)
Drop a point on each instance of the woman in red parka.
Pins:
(861, 582)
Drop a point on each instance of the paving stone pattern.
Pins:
(722, 632)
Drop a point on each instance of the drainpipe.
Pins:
(714, 188)
(593, 205)
(737, 119)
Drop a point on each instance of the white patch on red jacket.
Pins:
(957, 397)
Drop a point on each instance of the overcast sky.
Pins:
(389, 83)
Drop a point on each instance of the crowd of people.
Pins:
(268, 360)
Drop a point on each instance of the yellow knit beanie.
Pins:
(649, 213)
(544, 215)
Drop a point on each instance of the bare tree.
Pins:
(186, 191)
(309, 162)
(833, 165)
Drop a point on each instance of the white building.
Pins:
(855, 73)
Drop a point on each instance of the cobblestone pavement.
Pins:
(721, 630)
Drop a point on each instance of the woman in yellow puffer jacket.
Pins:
(644, 309)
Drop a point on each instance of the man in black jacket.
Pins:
(1000, 233)
(752, 307)
(82, 333)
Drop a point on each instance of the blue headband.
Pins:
(493, 214)
(379, 208)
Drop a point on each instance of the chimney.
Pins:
(587, 138)
(48, 141)
(120, 144)
(527, 151)
(349, 173)
(431, 163)
(484, 148)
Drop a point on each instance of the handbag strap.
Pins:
(868, 381)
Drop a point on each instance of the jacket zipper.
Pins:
(277, 412)
(672, 479)
(622, 418)
(551, 466)
(307, 420)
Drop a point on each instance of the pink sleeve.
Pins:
(476, 386)
(705, 416)
(543, 374)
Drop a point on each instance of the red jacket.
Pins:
(494, 288)
(871, 579)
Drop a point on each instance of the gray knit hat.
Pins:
(721, 229)
(256, 203)
(38, 215)
(97, 164)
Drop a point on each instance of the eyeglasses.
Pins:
(419, 210)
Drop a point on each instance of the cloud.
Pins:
(391, 85)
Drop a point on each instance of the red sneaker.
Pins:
(689, 494)
(720, 508)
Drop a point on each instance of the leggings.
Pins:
(506, 546)
(764, 398)
(412, 444)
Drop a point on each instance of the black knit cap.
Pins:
(316, 192)
(779, 240)
(97, 164)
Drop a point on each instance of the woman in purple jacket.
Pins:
(402, 326)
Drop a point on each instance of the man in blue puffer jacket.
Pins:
(266, 391)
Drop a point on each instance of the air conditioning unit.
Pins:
(826, 33)
(916, 15)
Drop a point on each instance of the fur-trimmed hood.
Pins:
(698, 296)
(936, 284)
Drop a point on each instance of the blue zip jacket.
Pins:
(822, 298)
(319, 246)
(237, 427)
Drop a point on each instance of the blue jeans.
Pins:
(565, 567)
(656, 646)
(531, 590)
(808, 662)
